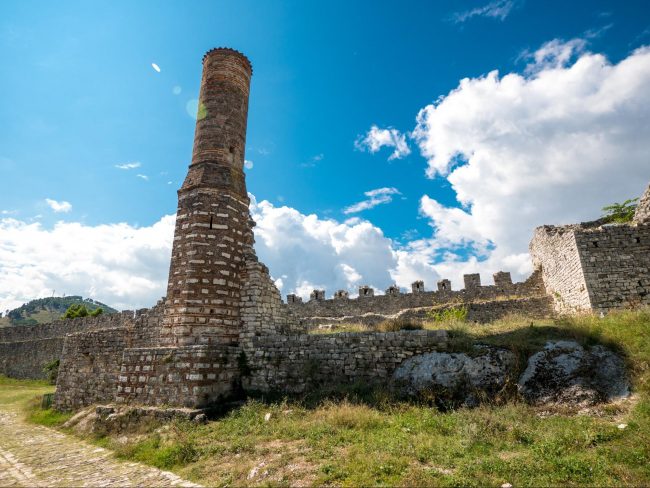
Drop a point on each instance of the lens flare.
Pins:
(196, 110)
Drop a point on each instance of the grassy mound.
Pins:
(369, 439)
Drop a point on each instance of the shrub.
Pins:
(452, 314)
(620, 212)
(51, 369)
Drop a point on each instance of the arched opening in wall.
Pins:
(211, 222)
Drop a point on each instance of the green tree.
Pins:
(97, 312)
(74, 311)
(620, 212)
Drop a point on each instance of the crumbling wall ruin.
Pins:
(319, 310)
(594, 266)
(25, 350)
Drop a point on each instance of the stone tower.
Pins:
(213, 236)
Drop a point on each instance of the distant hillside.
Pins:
(44, 310)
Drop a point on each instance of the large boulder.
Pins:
(569, 374)
(455, 378)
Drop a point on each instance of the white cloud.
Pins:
(144, 177)
(127, 166)
(551, 146)
(248, 164)
(553, 54)
(313, 161)
(59, 207)
(310, 252)
(118, 264)
(375, 197)
(377, 138)
(155, 67)
(498, 9)
(126, 267)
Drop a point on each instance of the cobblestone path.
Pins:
(32, 455)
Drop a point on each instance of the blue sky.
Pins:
(80, 97)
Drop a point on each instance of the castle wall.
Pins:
(392, 304)
(26, 359)
(295, 364)
(59, 328)
(91, 360)
(89, 368)
(477, 312)
(554, 251)
(593, 266)
(188, 376)
(25, 350)
(262, 310)
(616, 265)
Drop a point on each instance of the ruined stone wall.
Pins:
(25, 350)
(91, 360)
(262, 310)
(188, 376)
(477, 312)
(59, 328)
(616, 265)
(642, 213)
(295, 364)
(26, 359)
(393, 304)
(554, 252)
(594, 266)
(89, 368)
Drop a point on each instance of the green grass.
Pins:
(26, 395)
(365, 439)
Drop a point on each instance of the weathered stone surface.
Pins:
(566, 373)
(312, 312)
(477, 312)
(297, 363)
(455, 374)
(594, 266)
(642, 214)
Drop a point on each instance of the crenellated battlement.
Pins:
(502, 284)
(394, 300)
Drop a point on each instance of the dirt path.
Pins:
(32, 455)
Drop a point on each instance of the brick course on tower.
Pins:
(213, 234)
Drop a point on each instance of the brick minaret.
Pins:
(213, 235)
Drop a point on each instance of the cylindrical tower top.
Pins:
(230, 51)
(220, 135)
